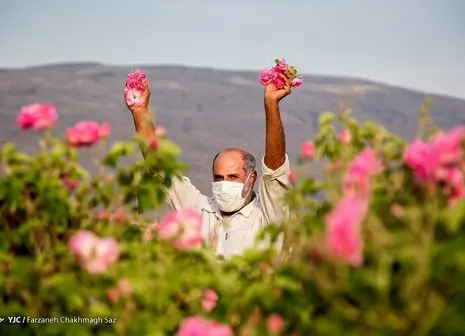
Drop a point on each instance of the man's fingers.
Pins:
(285, 78)
(287, 73)
(287, 82)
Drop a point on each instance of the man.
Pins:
(234, 216)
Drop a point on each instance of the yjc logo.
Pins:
(15, 319)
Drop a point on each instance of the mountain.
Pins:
(206, 110)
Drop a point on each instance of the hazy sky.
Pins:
(413, 43)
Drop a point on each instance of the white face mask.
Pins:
(228, 195)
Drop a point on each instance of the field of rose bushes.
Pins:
(382, 253)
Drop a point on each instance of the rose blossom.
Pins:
(86, 133)
(274, 324)
(343, 227)
(184, 227)
(308, 150)
(94, 253)
(209, 299)
(345, 136)
(199, 326)
(37, 116)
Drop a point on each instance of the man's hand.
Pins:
(141, 103)
(274, 95)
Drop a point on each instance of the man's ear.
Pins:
(253, 178)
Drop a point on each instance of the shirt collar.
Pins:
(247, 210)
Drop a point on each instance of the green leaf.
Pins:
(454, 217)
(169, 148)
(293, 70)
(117, 151)
(8, 151)
(326, 118)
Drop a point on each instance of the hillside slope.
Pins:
(206, 110)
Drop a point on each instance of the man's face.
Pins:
(229, 166)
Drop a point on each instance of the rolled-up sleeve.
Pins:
(273, 187)
(183, 194)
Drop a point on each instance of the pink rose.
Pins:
(119, 215)
(292, 177)
(419, 156)
(113, 295)
(448, 146)
(136, 83)
(199, 326)
(137, 80)
(94, 253)
(86, 133)
(102, 214)
(297, 82)
(343, 226)
(437, 162)
(345, 136)
(153, 144)
(37, 116)
(274, 324)
(69, 182)
(266, 77)
(160, 131)
(308, 150)
(82, 243)
(397, 210)
(124, 287)
(363, 167)
(209, 300)
(183, 227)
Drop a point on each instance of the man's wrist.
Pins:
(140, 111)
(271, 103)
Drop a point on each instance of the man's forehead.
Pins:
(230, 162)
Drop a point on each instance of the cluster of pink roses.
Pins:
(357, 180)
(37, 116)
(86, 133)
(136, 82)
(274, 75)
(200, 326)
(182, 228)
(94, 253)
(343, 239)
(343, 223)
(438, 162)
(44, 116)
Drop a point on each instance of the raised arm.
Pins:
(274, 182)
(182, 194)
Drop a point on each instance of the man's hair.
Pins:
(249, 160)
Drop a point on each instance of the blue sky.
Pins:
(413, 43)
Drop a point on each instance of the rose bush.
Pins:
(376, 247)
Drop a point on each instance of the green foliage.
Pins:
(412, 281)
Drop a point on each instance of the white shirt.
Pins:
(234, 234)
